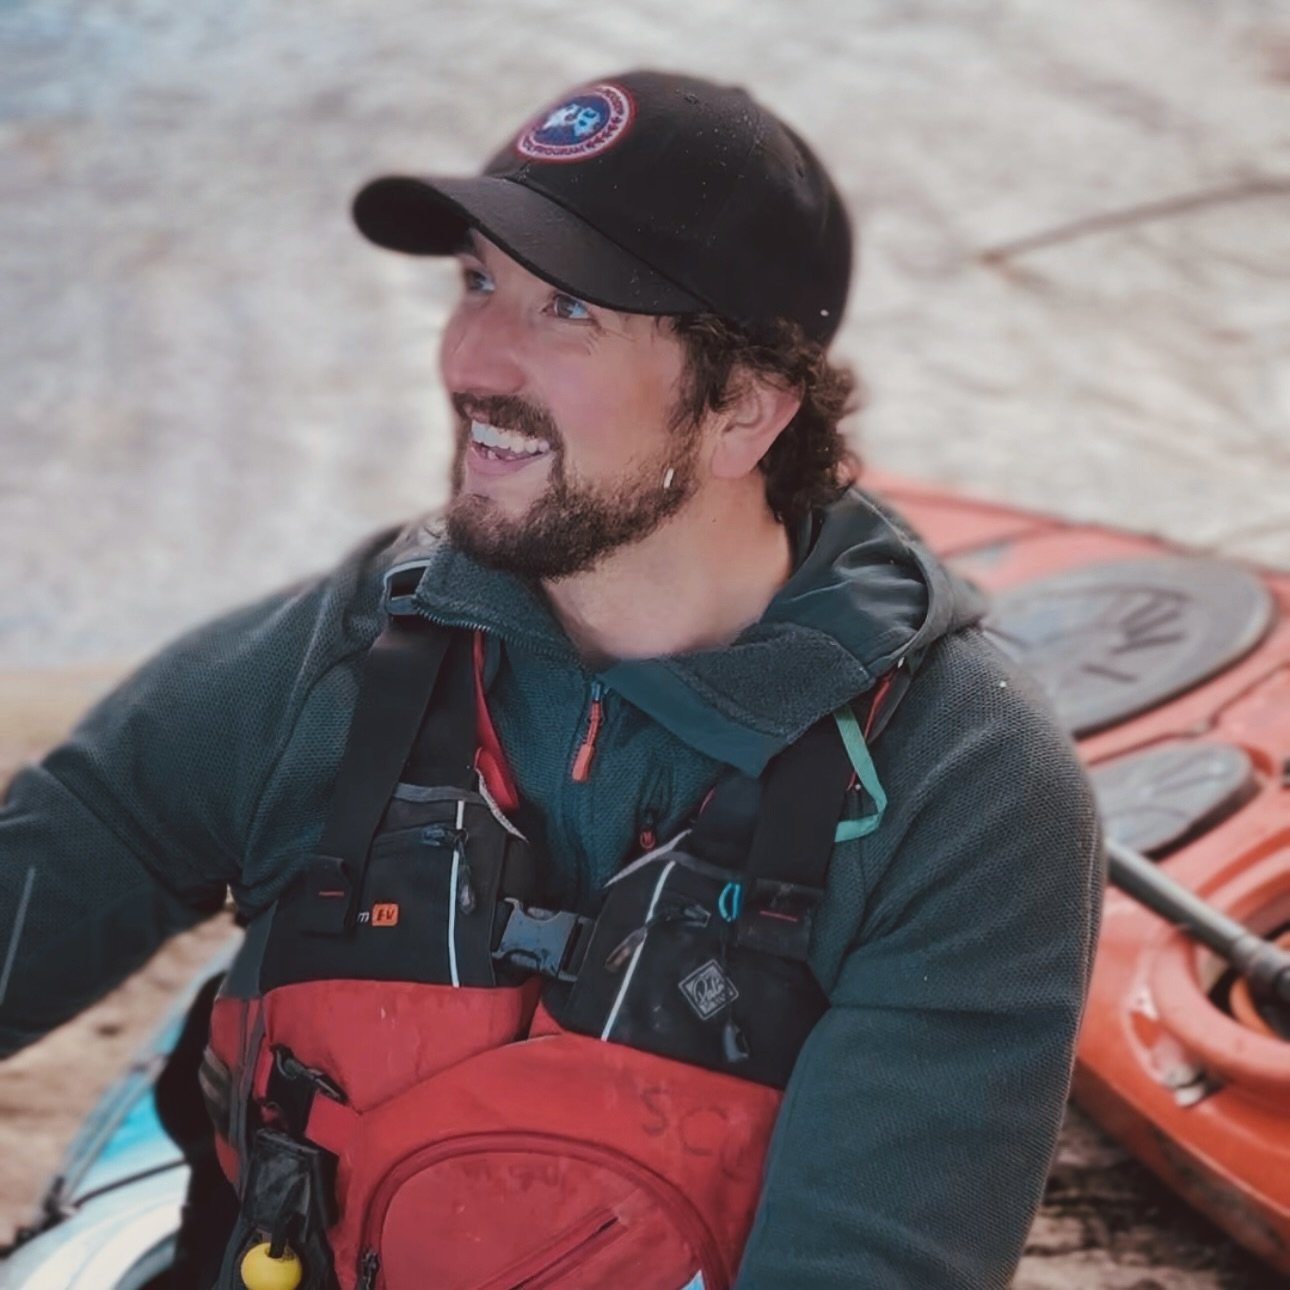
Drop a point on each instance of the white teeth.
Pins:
(493, 437)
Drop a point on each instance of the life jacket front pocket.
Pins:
(576, 1217)
(558, 1162)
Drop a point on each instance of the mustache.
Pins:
(507, 412)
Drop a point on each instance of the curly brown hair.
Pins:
(810, 463)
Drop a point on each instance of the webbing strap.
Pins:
(443, 754)
(866, 774)
(801, 801)
(303, 1102)
(398, 677)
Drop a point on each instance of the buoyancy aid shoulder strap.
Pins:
(802, 796)
(773, 904)
(398, 677)
(724, 829)
(443, 752)
(801, 799)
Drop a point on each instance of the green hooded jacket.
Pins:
(954, 943)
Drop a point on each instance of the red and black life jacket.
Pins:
(421, 1077)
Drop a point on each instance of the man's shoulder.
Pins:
(271, 652)
(364, 579)
(326, 615)
(976, 749)
(224, 732)
(968, 684)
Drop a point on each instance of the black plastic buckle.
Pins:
(550, 942)
(292, 1087)
(777, 918)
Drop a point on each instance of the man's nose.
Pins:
(481, 352)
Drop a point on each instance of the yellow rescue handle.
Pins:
(261, 1271)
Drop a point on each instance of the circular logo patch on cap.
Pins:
(582, 126)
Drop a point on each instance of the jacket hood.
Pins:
(864, 595)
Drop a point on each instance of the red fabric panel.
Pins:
(377, 1038)
(490, 760)
(332, 1124)
(880, 693)
(230, 1019)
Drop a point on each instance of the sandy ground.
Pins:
(211, 385)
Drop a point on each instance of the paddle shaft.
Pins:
(1266, 966)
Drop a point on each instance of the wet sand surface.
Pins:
(213, 386)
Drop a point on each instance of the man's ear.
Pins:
(751, 422)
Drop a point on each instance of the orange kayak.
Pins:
(1172, 670)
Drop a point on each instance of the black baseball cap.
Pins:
(651, 193)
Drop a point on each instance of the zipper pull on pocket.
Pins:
(466, 899)
(734, 1045)
(444, 835)
(618, 957)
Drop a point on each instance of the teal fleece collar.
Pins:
(862, 596)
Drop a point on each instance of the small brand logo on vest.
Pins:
(581, 127)
(708, 989)
(382, 914)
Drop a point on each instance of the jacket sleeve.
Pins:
(920, 1122)
(134, 828)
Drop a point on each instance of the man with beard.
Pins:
(664, 588)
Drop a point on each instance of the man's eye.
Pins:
(569, 307)
(476, 281)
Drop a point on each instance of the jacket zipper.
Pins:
(587, 749)
(488, 629)
(582, 759)
(454, 624)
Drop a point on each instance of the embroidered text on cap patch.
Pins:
(582, 126)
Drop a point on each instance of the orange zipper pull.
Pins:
(586, 750)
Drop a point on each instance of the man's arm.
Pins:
(134, 827)
(920, 1122)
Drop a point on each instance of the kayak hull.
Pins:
(1201, 1099)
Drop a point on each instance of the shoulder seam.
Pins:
(276, 760)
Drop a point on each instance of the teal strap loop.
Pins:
(866, 773)
(730, 900)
